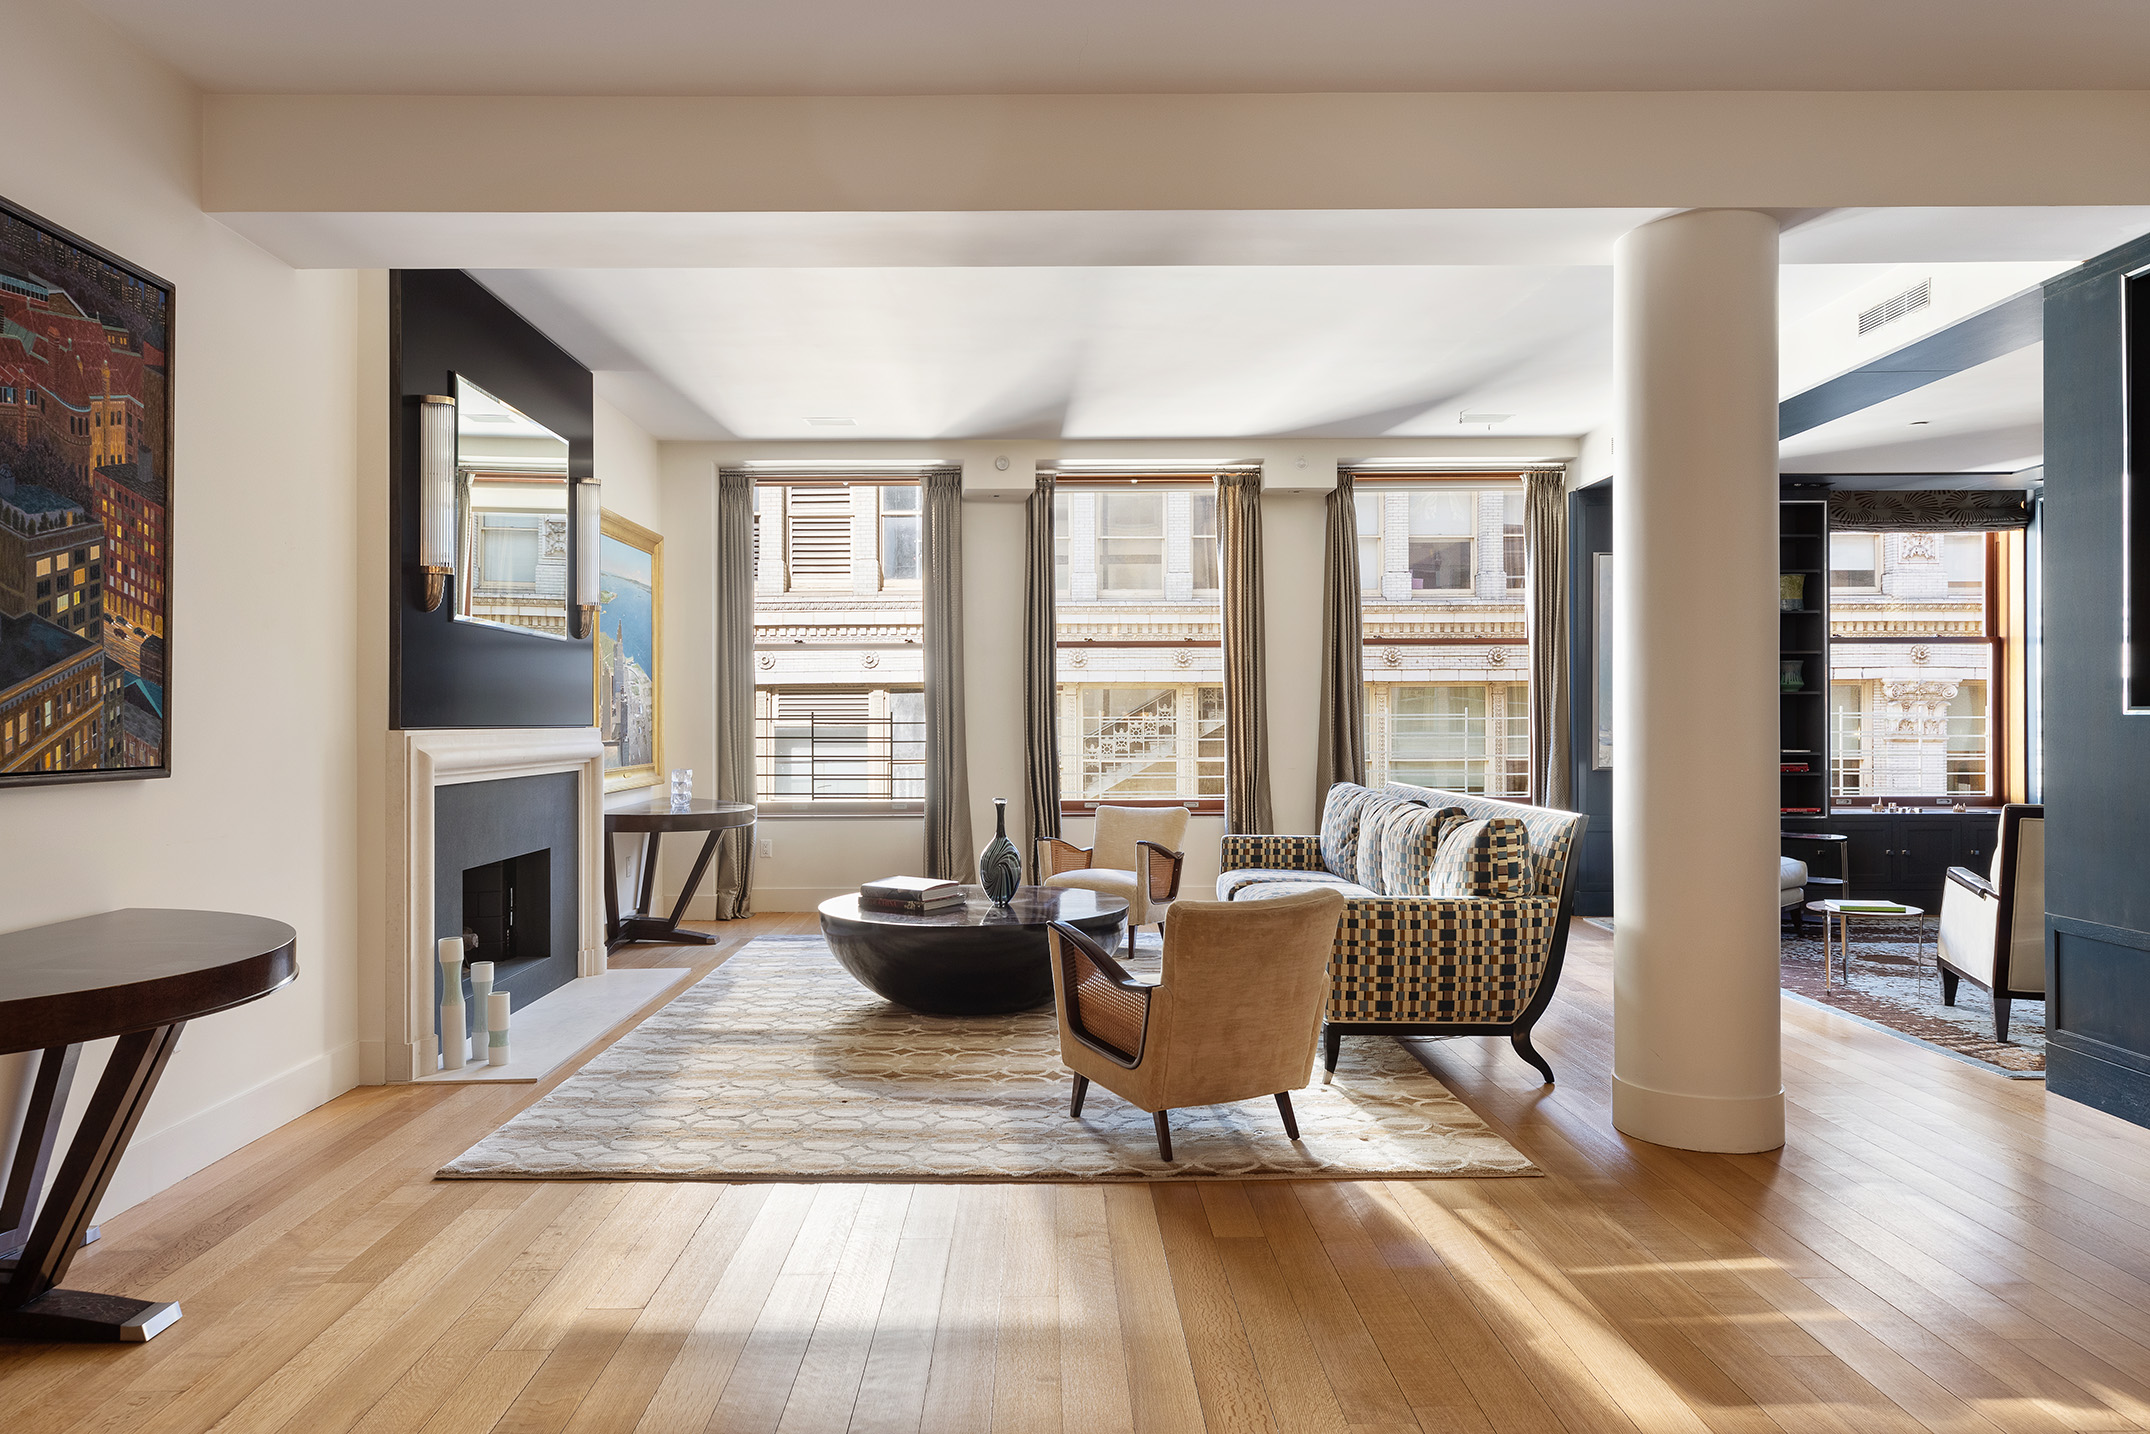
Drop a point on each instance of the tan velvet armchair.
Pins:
(1236, 1014)
(1134, 855)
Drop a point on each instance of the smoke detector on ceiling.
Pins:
(1488, 419)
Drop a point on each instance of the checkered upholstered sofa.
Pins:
(1456, 909)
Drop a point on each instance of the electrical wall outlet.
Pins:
(768, 846)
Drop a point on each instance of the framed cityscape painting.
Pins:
(85, 509)
(630, 603)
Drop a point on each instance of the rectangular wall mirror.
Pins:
(512, 517)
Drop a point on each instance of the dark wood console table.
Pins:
(140, 975)
(653, 819)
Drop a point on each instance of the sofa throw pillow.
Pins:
(1411, 839)
(1341, 813)
(1486, 857)
(1374, 818)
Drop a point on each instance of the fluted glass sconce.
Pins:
(589, 526)
(436, 496)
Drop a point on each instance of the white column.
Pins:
(1696, 1060)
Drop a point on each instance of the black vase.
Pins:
(1000, 865)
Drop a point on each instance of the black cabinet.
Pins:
(1905, 856)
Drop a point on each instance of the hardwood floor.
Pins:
(1935, 1248)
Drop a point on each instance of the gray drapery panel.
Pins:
(948, 846)
(732, 882)
(1246, 734)
(1041, 719)
(1342, 740)
(1545, 607)
(1930, 510)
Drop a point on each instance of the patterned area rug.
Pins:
(1895, 986)
(778, 1066)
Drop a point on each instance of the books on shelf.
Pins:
(910, 895)
(1794, 768)
(1799, 811)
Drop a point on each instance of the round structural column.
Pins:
(1696, 1060)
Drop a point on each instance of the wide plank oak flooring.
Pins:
(1934, 1249)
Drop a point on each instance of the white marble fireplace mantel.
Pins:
(401, 972)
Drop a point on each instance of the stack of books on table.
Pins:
(910, 895)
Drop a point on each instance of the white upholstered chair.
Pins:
(1993, 926)
(1134, 854)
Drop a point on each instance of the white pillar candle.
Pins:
(496, 1023)
(481, 990)
(454, 1042)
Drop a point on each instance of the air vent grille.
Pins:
(1888, 311)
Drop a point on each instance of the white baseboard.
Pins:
(157, 1160)
(796, 898)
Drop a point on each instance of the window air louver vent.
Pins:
(820, 523)
(1910, 301)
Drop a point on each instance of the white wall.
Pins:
(259, 814)
(812, 858)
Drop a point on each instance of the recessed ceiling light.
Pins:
(1488, 418)
(831, 421)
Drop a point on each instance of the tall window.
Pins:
(1914, 653)
(1446, 654)
(1141, 672)
(839, 696)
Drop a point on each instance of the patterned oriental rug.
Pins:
(1896, 986)
(778, 1066)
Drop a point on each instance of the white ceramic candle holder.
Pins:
(481, 988)
(454, 1030)
(496, 1024)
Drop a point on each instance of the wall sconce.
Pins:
(589, 524)
(436, 496)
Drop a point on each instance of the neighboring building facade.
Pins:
(839, 661)
(1911, 665)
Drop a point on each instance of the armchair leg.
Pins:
(1520, 1039)
(2001, 1005)
(1082, 1088)
(1948, 987)
(1291, 1122)
(1164, 1137)
(1332, 1041)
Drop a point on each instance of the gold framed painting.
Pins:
(627, 652)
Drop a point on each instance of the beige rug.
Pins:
(778, 1066)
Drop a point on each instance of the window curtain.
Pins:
(1342, 738)
(1545, 609)
(1246, 737)
(1041, 720)
(732, 882)
(1930, 510)
(949, 855)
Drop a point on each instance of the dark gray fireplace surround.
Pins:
(480, 822)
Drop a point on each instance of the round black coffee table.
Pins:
(976, 959)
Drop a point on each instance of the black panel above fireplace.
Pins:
(512, 840)
(445, 673)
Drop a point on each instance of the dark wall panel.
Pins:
(2097, 757)
(446, 673)
(1589, 533)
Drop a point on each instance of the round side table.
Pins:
(653, 819)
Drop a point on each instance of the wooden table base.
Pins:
(639, 925)
(31, 1304)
